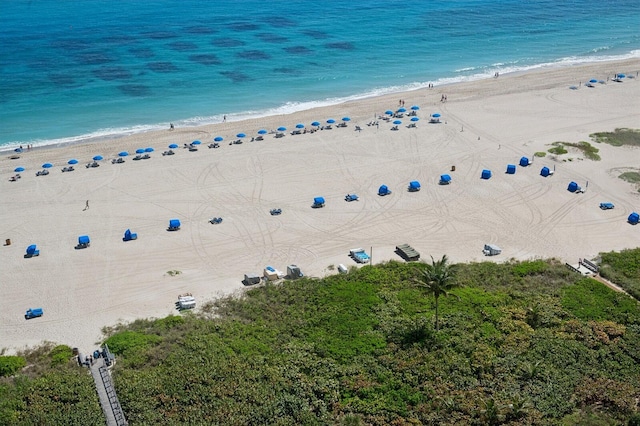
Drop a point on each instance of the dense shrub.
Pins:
(9, 365)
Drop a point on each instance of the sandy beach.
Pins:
(484, 125)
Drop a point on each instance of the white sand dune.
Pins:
(485, 125)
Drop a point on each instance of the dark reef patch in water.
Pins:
(317, 34)
(340, 45)
(136, 90)
(272, 38)
(205, 59)
(288, 71)
(298, 50)
(236, 76)
(183, 46)
(120, 39)
(253, 54)
(94, 58)
(160, 35)
(70, 44)
(243, 26)
(200, 29)
(163, 67)
(227, 42)
(142, 52)
(63, 80)
(112, 73)
(280, 22)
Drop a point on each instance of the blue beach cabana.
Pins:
(128, 235)
(524, 162)
(445, 179)
(573, 187)
(511, 169)
(318, 202)
(83, 242)
(383, 190)
(174, 225)
(486, 174)
(32, 251)
(633, 218)
(544, 172)
(414, 186)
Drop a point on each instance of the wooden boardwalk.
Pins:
(107, 394)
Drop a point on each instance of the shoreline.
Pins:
(331, 102)
(485, 124)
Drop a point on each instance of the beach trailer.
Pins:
(128, 235)
(445, 179)
(174, 225)
(573, 187)
(33, 313)
(544, 172)
(83, 242)
(383, 190)
(491, 250)
(511, 169)
(486, 174)
(32, 251)
(414, 186)
(318, 202)
(186, 301)
(342, 269)
(606, 206)
(633, 218)
(294, 272)
(524, 162)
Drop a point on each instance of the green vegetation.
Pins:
(519, 343)
(540, 154)
(173, 273)
(623, 268)
(558, 148)
(632, 177)
(436, 279)
(9, 365)
(589, 151)
(618, 137)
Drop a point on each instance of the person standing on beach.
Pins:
(86, 206)
(224, 118)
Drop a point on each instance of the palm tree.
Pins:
(436, 279)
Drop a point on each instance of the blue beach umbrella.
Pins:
(415, 107)
(18, 169)
(218, 139)
(415, 119)
(315, 123)
(72, 161)
(123, 154)
(98, 158)
(196, 143)
(241, 135)
(148, 149)
(436, 115)
(299, 126)
(346, 119)
(397, 122)
(282, 129)
(331, 121)
(621, 76)
(260, 132)
(173, 145)
(139, 150)
(402, 110)
(388, 112)
(593, 80)
(18, 150)
(47, 165)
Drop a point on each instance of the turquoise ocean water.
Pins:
(70, 70)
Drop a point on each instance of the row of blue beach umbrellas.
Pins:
(220, 138)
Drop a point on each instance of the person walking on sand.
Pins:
(86, 206)
(224, 118)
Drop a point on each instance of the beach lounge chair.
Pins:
(129, 236)
(174, 225)
(169, 152)
(215, 220)
(279, 135)
(318, 202)
(275, 212)
(259, 138)
(394, 128)
(192, 148)
(358, 129)
(137, 157)
(146, 156)
(411, 125)
(351, 197)
(83, 242)
(32, 251)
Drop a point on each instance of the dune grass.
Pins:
(618, 137)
